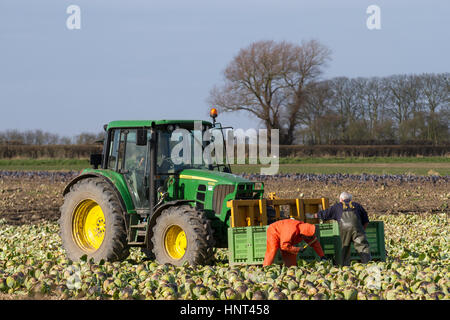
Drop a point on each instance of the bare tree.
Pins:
(313, 112)
(398, 100)
(40, 137)
(405, 97)
(311, 57)
(267, 80)
(88, 138)
(65, 140)
(13, 136)
(372, 99)
(345, 102)
(436, 97)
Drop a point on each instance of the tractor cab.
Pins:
(151, 154)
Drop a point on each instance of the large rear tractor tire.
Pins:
(181, 234)
(92, 223)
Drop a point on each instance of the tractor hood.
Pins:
(213, 177)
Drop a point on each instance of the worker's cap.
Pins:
(307, 229)
(345, 196)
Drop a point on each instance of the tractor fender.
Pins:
(157, 213)
(97, 175)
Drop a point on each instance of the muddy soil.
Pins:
(30, 200)
(377, 198)
(34, 199)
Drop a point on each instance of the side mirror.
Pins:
(96, 160)
(141, 137)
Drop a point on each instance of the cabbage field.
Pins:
(414, 210)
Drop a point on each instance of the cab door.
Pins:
(131, 159)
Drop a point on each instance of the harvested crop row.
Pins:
(33, 265)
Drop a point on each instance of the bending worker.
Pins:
(286, 233)
(353, 220)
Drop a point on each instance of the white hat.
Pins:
(345, 196)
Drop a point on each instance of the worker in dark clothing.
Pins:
(284, 235)
(353, 220)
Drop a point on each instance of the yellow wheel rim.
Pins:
(175, 242)
(88, 226)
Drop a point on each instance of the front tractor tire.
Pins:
(183, 234)
(92, 223)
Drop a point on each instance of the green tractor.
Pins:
(136, 196)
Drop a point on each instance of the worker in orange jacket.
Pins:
(284, 235)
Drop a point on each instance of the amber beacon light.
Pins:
(213, 114)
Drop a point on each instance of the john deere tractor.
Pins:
(136, 196)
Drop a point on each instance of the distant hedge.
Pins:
(84, 151)
(363, 151)
(388, 142)
(48, 151)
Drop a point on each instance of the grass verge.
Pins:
(349, 169)
(394, 165)
(43, 164)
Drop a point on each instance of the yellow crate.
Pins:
(245, 213)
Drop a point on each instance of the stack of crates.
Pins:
(247, 245)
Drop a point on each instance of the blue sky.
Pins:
(159, 59)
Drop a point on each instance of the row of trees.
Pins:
(39, 137)
(279, 83)
(398, 107)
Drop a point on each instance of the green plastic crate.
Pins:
(328, 229)
(374, 234)
(375, 237)
(328, 236)
(247, 245)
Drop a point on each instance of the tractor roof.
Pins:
(148, 123)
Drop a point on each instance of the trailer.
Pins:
(247, 234)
